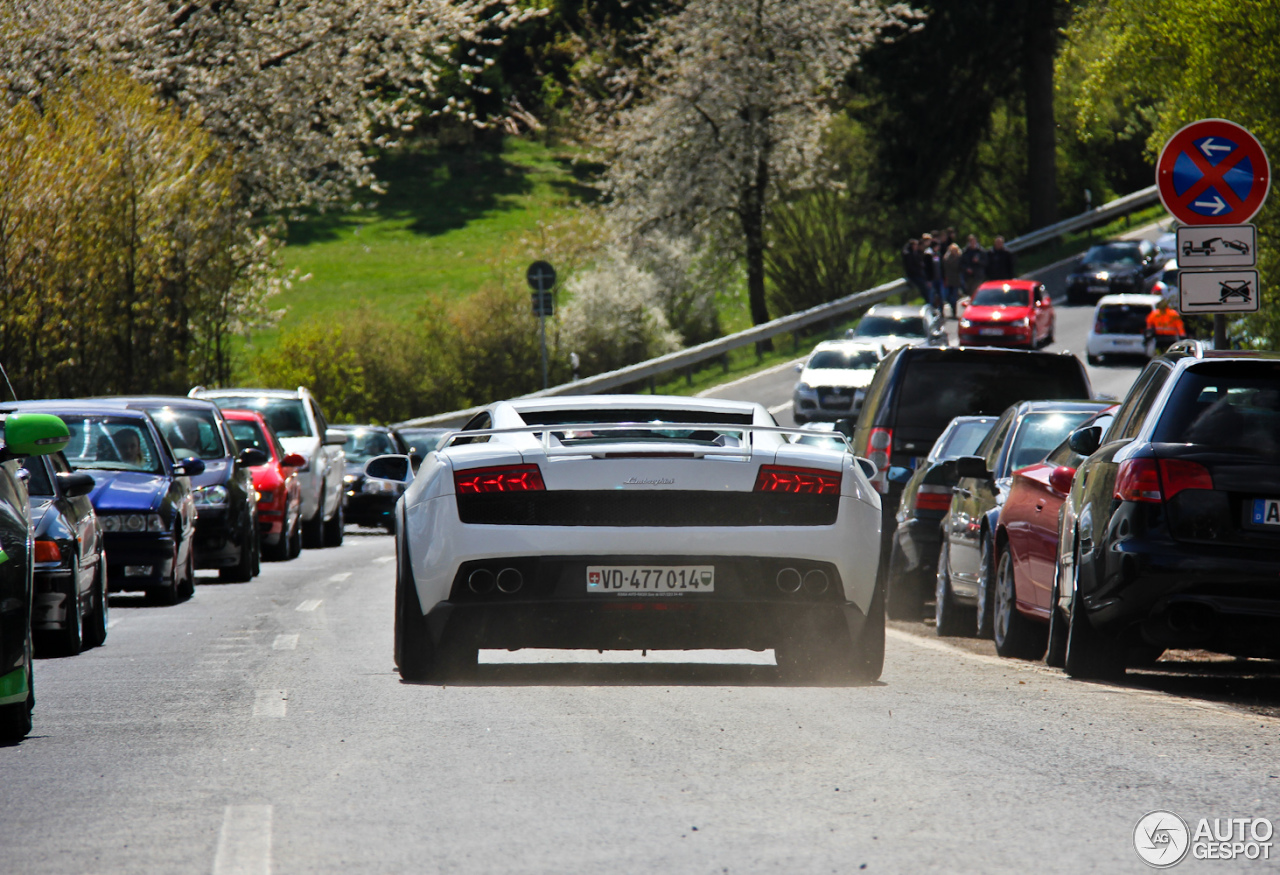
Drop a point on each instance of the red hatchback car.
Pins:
(279, 493)
(1007, 313)
(1027, 548)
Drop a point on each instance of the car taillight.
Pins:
(933, 498)
(805, 481)
(1099, 327)
(47, 551)
(507, 478)
(1153, 481)
(878, 444)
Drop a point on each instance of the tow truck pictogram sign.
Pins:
(1213, 172)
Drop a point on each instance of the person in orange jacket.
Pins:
(1164, 325)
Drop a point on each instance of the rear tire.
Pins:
(951, 620)
(170, 594)
(335, 528)
(1094, 360)
(69, 640)
(1016, 635)
(242, 571)
(1088, 654)
(313, 529)
(295, 540)
(1056, 651)
(15, 719)
(868, 649)
(820, 649)
(95, 625)
(279, 551)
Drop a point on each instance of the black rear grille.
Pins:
(654, 508)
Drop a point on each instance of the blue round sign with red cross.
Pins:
(1213, 172)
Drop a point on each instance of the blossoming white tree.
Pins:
(296, 89)
(730, 101)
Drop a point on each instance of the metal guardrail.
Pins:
(694, 355)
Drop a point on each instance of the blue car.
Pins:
(142, 495)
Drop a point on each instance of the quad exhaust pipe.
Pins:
(483, 581)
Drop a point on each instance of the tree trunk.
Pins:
(753, 202)
(1039, 46)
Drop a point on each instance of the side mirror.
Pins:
(74, 483)
(397, 468)
(799, 367)
(972, 466)
(899, 474)
(252, 457)
(34, 434)
(293, 460)
(1060, 479)
(335, 438)
(1085, 441)
(189, 467)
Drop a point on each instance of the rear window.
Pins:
(963, 440)
(938, 388)
(1225, 405)
(1122, 319)
(887, 326)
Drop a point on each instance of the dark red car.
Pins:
(1027, 548)
(279, 493)
(1014, 313)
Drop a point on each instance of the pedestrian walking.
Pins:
(951, 276)
(1000, 261)
(932, 270)
(973, 265)
(913, 269)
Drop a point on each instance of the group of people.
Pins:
(940, 270)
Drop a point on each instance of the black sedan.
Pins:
(1170, 536)
(70, 609)
(1024, 435)
(370, 502)
(913, 557)
(1117, 267)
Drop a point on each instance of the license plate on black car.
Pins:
(1265, 512)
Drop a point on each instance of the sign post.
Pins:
(1213, 176)
(542, 279)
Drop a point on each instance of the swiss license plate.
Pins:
(651, 578)
(1266, 512)
(991, 332)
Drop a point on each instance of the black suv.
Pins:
(918, 390)
(1170, 536)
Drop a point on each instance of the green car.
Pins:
(25, 434)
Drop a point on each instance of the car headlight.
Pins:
(803, 387)
(1024, 322)
(1104, 275)
(209, 496)
(133, 523)
(350, 478)
(965, 323)
(373, 486)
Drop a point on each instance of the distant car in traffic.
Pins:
(301, 427)
(913, 556)
(1014, 313)
(834, 379)
(142, 494)
(275, 481)
(70, 610)
(1113, 268)
(1170, 536)
(1027, 547)
(1024, 435)
(1119, 327)
(635, 522)
(895, 325)
(370, 502)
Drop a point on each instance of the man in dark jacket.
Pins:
(1000, 262)
(913, 268)
(973, 262)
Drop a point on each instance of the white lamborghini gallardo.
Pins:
(625, 522)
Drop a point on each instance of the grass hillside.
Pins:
(448, 219)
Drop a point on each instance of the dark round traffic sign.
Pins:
(541, 276)
(1213, 172)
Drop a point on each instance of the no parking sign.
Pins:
(1213, 172)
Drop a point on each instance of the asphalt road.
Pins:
(261, 727)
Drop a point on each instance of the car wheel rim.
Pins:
(1004, 599)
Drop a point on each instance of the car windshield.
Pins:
(111, 443)
(888, 326)
(38, 482)
(361, 446)
(1039, 433)
(1113, 253)
(190, 432)
(1225, 405)
(853, 359)
(962, 440)
(248, 433)
(287, 416)
(1121, 319)
(422, 440)
(937, 390)
(1001, 297)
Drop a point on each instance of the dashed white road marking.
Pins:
(340, 576)
(270, 703)
(384, 559)
(778, 408)
(244, 843)
(309, 605)
(285, 641)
